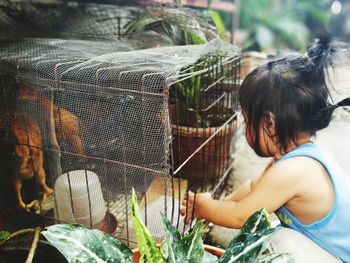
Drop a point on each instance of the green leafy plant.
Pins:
(75, 242)
(246, 246)
(78, 244)
(189, 94)
(192, 98)
(175, 248)
(178, 26)
(147, 246)
(219, 24)
(175, 26)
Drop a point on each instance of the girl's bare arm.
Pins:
(246, 188)
(270, 192)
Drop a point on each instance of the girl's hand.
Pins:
(197, 201)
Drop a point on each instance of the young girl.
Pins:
(284, 103)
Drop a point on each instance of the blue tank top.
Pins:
(333, 231)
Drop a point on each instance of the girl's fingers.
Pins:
(187, 212)
(183, 211)
(186, 208)
(190, 195)
(188, 217)
(187, 221)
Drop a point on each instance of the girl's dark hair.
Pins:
(294, 89)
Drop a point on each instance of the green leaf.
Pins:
(164, 248)
(209, 258)
(197, 39)
(141, 24)
(257, 221)
(219, 24)
(247, 247)
(192, 28)
(193, 244)
(79, 244)
(168, 23)
(148, 250)
(176, 251)
(4, 235)
(276, 258)
(252, 235)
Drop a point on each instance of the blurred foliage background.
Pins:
(270, 26)
(273, 25)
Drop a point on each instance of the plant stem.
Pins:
(17, 233)
(34, 245)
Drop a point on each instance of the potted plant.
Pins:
(175, 26)
(77, 243)
(197, 113)
(247, 246)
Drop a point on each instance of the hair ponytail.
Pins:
(323, 117)
(344, 102)
(320, 55)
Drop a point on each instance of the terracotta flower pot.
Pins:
(212, 250)
(211, 161)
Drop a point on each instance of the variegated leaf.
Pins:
(257, 221)
(248, 247)
(79, 244)
(176, 251)
(149, 253)
(193, 244)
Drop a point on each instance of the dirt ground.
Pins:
(335, 138)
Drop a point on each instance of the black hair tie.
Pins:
(331, 107)
(344, 102)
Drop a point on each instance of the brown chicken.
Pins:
(29, 153)
(67, 126)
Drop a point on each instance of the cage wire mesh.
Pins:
(87, 115)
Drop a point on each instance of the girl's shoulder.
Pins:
(303, 159)
(294, 165)
(300, 171)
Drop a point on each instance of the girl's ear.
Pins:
(269, 123)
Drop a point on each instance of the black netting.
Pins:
(89, 114)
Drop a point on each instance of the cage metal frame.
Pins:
(227, 85)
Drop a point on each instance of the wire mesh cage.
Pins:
(87, 115)
(203, 112)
